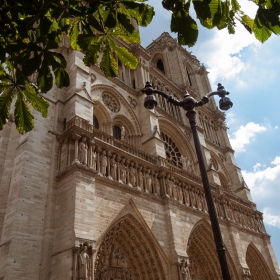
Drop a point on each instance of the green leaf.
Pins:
(111, 21)
(5, 103)
(131, 38)
(202, 9)
(235, 6)
(59, 58)
(45, 78)
(247, 22)
(32, 65)
(126, 58)
(142, 13)
(64, 23)
(74, 35)
(108, 63)
(95, 23)
(37, 101)
(262, 33)
(24, 120)
(61, 77)
(125, 22)
(92, 53)
(185, 26)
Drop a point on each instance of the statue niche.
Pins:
(83, 262)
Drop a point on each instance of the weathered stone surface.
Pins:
(126, 205)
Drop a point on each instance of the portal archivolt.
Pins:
(257, 265)
(127, 253)
(204, 262)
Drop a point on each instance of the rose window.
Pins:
(172, 153)
(111, 103)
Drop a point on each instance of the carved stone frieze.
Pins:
(126, 252)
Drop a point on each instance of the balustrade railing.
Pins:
(126, 165)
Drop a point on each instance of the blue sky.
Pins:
(250, 71)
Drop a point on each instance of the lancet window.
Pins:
(95, 122)
(172, 153)
(189, 77)
(210, 130)
(160, 65)
(117, 132)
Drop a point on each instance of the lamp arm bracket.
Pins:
(168, 97)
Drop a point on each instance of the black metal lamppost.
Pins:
(188, 104)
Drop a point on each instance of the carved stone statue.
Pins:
(246, 275)
(123, 171)
(185, 270)
(83, 151)
(174, 188)
(113, 167)
(140, 177)
(93, 160)
(156, 185)
(123, 133)
(148, 181)
(132, 175)
(168, 186)
(180, 193)
(103, 163)
(185, 161)
(83, 263)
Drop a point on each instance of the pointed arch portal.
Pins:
(257, 265)
(204, 262)
(127, 252)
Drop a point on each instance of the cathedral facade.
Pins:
(104, 189)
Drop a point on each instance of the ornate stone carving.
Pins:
(132, 102)
(123, 133)
(213, 164)
(132, 175)
(184, 268)
(83, 151)
(246, 274)
(148, 181)
(140, 178)
(127, 253)
(111, 102)
(83, 263)
(113, 167)
(123, 169)
(103, 163)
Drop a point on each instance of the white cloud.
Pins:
(256, 167)
(222, 54)
(271, 219)
(276, 127)
(244, 135)
(265, 189)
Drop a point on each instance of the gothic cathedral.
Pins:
(104, 189)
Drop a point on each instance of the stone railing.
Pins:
(117, 161)
(100, 135)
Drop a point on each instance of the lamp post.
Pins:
(188, 104)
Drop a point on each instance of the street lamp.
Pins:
(188, 104)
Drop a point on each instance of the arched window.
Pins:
(189, 77)
(95, 122)
(172, 153)
(160, 65)
(117, 132)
